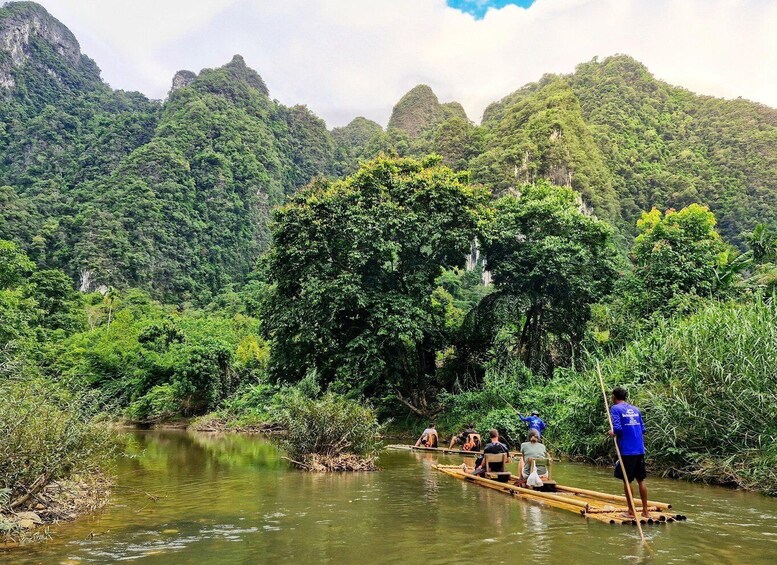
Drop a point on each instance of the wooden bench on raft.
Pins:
(548, 485)
(495, 458)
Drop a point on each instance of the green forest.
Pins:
(223, 259)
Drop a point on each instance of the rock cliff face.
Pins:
(21, 24)
(182, 78)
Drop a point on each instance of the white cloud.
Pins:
(353, 57)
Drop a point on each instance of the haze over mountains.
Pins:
(175, 196)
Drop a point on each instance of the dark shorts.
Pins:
(635, 467)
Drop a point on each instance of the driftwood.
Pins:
(36, 486)
(334, 463)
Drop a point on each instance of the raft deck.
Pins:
(590, 504)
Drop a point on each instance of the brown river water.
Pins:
(232, 499)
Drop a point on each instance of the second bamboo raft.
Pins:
(590, 504)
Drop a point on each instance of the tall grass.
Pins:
(707, 385)
(46, 434)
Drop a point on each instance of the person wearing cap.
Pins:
(534, 421)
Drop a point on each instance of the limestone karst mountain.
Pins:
(174, 196)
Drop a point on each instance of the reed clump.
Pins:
(707, 385)
(53, 455)
(328, 433)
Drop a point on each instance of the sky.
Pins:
(348, 58)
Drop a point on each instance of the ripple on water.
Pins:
(408, 512)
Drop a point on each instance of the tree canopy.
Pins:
(354, 264)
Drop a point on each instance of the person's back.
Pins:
(428, 437)
(534, 422)
(629, 427)
(494, 446)
(472, 441)
(469, 439)
(533, 449)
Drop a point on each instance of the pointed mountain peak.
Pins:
(420, 110)
(357, 133)
(238, 69)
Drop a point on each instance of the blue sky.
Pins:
(478, 8)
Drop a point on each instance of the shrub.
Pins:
(328, 427)
(46, 434)
(160, 403)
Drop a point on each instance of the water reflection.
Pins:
(224, 499)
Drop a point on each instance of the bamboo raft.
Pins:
(590, 504)
(442, 450)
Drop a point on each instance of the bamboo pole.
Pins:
(629, 494)
(610, 497)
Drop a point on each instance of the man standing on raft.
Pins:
(627, 429)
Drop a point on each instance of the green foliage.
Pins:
(158, 361)
(676, 254)
(762, 241)
(14, 265)
(33, 302)
(331, 425)
(706, 385)
(540, 133)
(47, 432)
(667, 147)
(419, 110)
(117, 190)
(552, 261)
(491, 405)
(354, 264)
(162, 402)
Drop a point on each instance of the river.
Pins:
(232, 499)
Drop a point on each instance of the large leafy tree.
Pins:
(550, 261)
(354, 264)
(676, 254)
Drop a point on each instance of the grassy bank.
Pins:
(55, 458)
(707, 385)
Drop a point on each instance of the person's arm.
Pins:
(526, 419)
(617, 426)
(419, 440)
(542, 426)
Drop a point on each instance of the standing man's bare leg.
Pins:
(627, 492)
(643, 496)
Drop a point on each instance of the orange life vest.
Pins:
(472, 443)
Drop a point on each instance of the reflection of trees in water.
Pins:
(189, 453)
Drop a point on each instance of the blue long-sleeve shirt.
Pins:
(628, 427)
(534, 422)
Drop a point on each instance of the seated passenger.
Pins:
(428, 438)
(531, 449)
(469, 439)
(493, 446)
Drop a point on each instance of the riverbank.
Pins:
(230, 498)
(27, 519)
